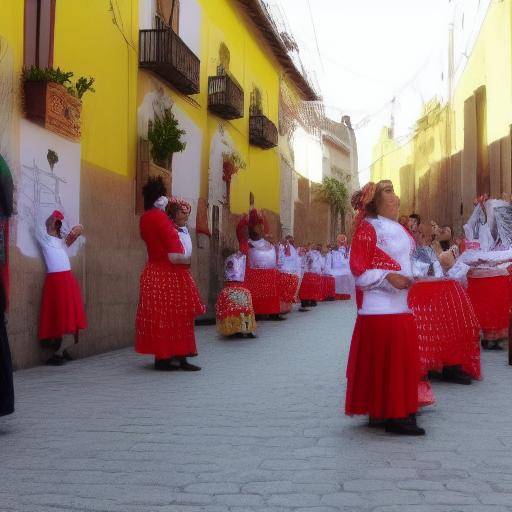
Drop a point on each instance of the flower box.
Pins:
(51, 106)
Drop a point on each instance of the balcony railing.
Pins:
(165, 53)
(262, 132)
(225, 97)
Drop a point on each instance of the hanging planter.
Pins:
(231, 164)
(51, 101)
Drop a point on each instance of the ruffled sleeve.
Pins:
(369, 264)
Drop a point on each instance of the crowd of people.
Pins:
(426, 300)
(263, 280)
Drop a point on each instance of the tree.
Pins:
(335, 194)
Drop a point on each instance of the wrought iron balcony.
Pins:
(165, 53)
(262, 132)
(225, 97)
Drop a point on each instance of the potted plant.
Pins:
(53, 101)
(165, 135)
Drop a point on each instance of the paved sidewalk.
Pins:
(259, 429)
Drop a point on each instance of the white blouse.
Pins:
(262, 254)
(379, 296)
(339, 262)
(54, 251)
(289, 264)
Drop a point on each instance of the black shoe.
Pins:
(496, 346)
(187, 367)
(55, 360)
(374, 423)
(276, 318)
(165, 365)
(456, 374)
(67, 356)
(313, 303)
(250, 335)
(405, 427)
(485, 344)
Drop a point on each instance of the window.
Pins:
(39, 24)
(167, 9)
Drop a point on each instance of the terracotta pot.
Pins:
(52, 107)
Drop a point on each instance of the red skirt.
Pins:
(288, 287)
(62, 310)
(383, 370)
(448, 329)
(328, 287)
(491, 301)
(263, 284)
(168, 303)
(311, 287)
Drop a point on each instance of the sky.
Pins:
(370, 51)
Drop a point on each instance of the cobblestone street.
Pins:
(259, 429)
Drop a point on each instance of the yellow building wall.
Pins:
(489, 65)
(251, 64)
(11, 28)
(88, 43)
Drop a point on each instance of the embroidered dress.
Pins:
(168, 297)
(383, 371)
(234, 310)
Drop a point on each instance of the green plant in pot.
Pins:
(165, 136)
(58, 76)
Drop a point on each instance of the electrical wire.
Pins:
(314, 33)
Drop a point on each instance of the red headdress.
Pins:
(183, 205)
(361, 199)
(58, 215)
(256, 218)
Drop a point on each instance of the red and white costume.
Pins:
(62, 310)
(262, 278)
(383, 371)
(168, 297)
(289, 266)
(311, 287)
(234, 309)
(328, 281)
(340, 267)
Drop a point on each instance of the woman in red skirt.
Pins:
(168, 297)
(62, 310)
(311, 289)
(383, 371)
(262, 276)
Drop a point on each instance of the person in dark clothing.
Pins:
(6, 208)
(6, 384)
